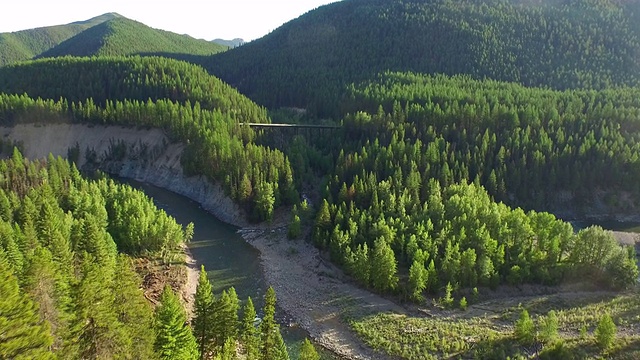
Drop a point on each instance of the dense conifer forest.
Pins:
(69, 287)
(463, 127)
(560, 44)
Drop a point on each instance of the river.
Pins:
(228, 259)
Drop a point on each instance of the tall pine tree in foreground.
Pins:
(174, 338)
(203, 316)
(308, 351)
(100, 334)
(133, 310)
(249, 335)
(272, 344)
(22, 334)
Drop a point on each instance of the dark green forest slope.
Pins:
(560, 44)
(127, 78)
(27, 44)
(122, 36)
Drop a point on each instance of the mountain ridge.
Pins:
(560, 44)
(106, 34)
(26, 44)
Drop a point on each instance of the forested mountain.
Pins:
(258, 177)
(127, 78)
(109, 34)
(559, 44)
(27, 44)
(122, 36)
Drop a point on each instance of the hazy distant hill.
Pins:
(26, 44)
(230, 43)
(556, 43)
(122, 36)
(108, 34)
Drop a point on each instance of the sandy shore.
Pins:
(312, 291)
(189, 288)
(309, 290)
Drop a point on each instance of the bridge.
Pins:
(290, 126)
(281, 134)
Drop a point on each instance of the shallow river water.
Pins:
(228, 259)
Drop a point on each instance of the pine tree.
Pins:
(226, 317)
(133, 310)
(100, 334)
(447, 300)
(294, 228)
(463, 303)
(228, 350)
(383, 265)
(269, 329)
(549, 327)
(417, 280)
(308, 351)
(22, 334)
(525, 329)
(203, 314)
(249, 334)
(174, 338)
(432, 277)
(605, 332)
(281, 352)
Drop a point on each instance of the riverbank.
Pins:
(189, 288)
(313, 292)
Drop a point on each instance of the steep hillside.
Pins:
(27, 44)
(132, 78)
(122, 36)
(555, 43)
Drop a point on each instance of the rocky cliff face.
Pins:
(144, 155)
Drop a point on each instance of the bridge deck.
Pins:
(291, 126)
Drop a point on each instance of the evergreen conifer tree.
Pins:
(133, 310)
(605, 332)
(281, 352)
(549, 327)
(174, 338)
(22, 334)
(525, 330)
(271, 348)
(249, 334)
(100, 334)
(203, 313)
(228, 350)
(308, 351)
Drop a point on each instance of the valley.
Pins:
(410, 204)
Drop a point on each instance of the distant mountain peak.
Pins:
(230, 43)
(99, 19)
